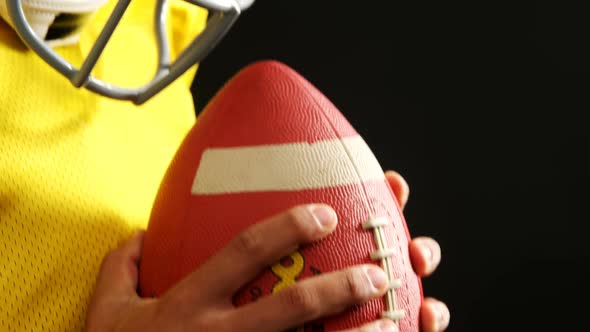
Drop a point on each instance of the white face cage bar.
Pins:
(223, 14)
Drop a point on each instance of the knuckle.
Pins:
(250, 241)
(111, 259)
(111, 256)
(299, 217)
(303, 300)
(354, 284)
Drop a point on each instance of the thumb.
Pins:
(118, 276)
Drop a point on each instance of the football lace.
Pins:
(383, 254)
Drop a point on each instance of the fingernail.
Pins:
(324, 215)
(431, 252)
(378, 278)
(442, 316)
(388, 326)
(427, 253)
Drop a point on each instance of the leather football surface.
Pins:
(267, 141)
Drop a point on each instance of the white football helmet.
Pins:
(43, 24)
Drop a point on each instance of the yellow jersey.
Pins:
(79, 172)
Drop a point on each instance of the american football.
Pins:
(267, 141)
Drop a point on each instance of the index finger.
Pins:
(256, 248)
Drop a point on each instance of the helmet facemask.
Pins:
(59, 22)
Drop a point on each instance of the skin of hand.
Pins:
(202, 301)
(425, 254)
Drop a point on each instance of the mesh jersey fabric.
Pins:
(79, 172)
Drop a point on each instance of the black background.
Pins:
(481, 107)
